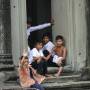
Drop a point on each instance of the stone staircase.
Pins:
(69, 80)
(6, 63)
(64, 82)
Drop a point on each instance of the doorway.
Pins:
(39, 12)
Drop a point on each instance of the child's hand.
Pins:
(25, 52)
(38, 61)
(34, 71)
(29, 66)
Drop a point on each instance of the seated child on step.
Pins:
(26, 80)
(60, 54)
(38, 60)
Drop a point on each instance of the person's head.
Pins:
(24, 61)
(59, 40)
(38, 45)
(46, 38)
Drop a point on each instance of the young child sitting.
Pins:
(48, 48)
(60, 54)
(38, 60)
(26, 80)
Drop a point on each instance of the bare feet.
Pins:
(57, 75)
(48, 76)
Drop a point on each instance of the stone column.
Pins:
(86, 71)
(70, 21)
(18, 28)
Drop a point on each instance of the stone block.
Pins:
(53, 70)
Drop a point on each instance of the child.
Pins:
(31, 29)
(25, 80)
(60, 54)
(48, 48)
(37, 59)
(48, 45)
(38, 27)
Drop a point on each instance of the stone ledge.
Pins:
(66, 69)
(62, 79)
(70, 85)
(65, 86)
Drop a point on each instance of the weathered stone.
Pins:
(66, 68)
(85, 74)
(62, 79)
(2, 76)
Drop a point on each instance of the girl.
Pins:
(60, 54)
(25, 80)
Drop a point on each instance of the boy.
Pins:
(60, 54)
(48, 48)
(38, 60)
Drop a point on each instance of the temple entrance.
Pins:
(39, 12)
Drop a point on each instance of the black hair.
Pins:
(24, 57)
(37, 42)
(46, 35)
(60, 37)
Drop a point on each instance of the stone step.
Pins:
(7, 61)
(62, 79)
(70, 85)
(6, 67)
(66, 69)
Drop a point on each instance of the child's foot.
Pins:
(57, 75)
(48, 76)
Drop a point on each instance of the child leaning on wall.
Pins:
(60, 54)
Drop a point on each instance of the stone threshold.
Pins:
(66, 85)
(53, 86)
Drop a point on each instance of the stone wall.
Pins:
(5, 30)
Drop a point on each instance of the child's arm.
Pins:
(38, 27)
(47, 58)
(64, 54)
(36, 58)
(33, 70)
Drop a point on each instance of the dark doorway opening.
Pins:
(39, 11)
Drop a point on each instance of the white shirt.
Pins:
(36, 28)
(49, 46)
(56, 59)
(35, 53)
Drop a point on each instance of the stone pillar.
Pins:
(5, 31)
(86, 71)
(18, 28)
(70, 21)
(80, 33)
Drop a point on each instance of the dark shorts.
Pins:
(50, 63)
(40, 67)
(37, 86)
